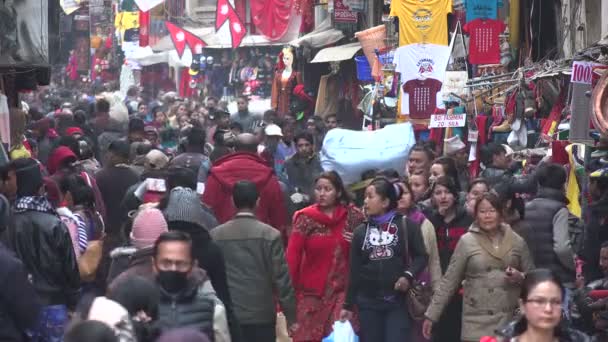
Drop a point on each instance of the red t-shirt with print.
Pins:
(422, 97)
(485, 41)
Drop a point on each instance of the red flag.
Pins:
(195, 43)
(226, 12)
(178, 36)
(222, 13)
(237, 30)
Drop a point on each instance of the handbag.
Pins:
(418, 297)
(89, 260)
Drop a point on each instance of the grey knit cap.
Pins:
(185, 205)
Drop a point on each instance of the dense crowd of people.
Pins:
(184, 222)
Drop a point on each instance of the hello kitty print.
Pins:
(382, 241)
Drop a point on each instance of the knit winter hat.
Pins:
(148, 225)
(185, 206)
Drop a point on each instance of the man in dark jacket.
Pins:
(596, 231)
(549, 241)
(43, 243)
(304, 166)
(256, 267)
(185, 213)
(113, 181)
(194, 156)
(184, 301)
(20, 307)
(245, 164)
(499, 169)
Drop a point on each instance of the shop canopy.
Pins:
(322, 36)
(337, 53)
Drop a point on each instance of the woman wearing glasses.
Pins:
(540, 302)
(491, 260)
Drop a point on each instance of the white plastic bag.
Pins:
(343, 332)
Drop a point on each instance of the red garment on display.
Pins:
(271, 17)
(482, 139)
(144, 28)
(423, 97)
(485, 41)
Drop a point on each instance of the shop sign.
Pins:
(450, 120)
(343, 14)
(582, 72)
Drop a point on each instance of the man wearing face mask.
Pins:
(186, 301)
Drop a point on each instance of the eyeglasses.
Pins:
(542, 302)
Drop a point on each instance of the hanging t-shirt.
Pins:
(484, 45)
(422, 96)
(484, 9)
(422, 21)
(422, 60)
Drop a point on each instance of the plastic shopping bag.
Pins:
(343, 332)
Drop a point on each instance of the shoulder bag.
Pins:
(418, 297)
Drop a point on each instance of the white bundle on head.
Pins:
(118, 110)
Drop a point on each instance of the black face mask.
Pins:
(173, 281)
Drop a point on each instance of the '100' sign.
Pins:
(582, 72)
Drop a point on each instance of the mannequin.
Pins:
(285, 80)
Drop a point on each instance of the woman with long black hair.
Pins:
(387, 254)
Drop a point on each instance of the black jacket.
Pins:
(378, 258)
(520, 184)
(596, 233)
(113, 183)
(19, 304)
(43, 244)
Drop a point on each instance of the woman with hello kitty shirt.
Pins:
(380, 270)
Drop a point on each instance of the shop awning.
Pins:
(337, 53)
(322, 36)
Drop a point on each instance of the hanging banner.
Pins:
(182, 37)
(444, 121)
(343, 13)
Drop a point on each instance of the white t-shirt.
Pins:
(421, 60)
(428, 60)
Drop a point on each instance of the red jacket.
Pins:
(234, 167)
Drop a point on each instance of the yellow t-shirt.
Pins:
(422, 21)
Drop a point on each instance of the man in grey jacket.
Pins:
(256, 266)
(547, 214)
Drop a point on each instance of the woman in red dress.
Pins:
(318, 256)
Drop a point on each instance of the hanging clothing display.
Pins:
(484, 45)
(422, 60)
(327, 99)
(422, 97)
(481, 9)
(271, 17)
(422, 21)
